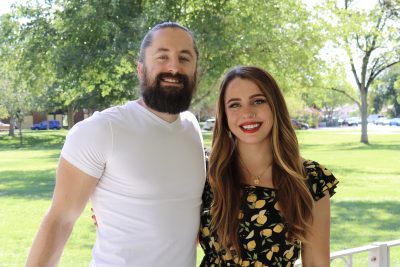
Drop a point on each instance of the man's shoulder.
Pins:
(100, 120)
(111, 114)
(189, 116)
(119, 109)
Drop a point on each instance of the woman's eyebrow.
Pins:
(232, 99)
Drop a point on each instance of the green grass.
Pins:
(26, 185)
(365, 209)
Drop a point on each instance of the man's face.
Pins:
(168, 74)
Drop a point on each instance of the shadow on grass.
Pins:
(371, 147)
(351, 146)
(27, 184)
(34, 140)
(349, 220)
(353, 171)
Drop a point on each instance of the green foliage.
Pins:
(86, 49)
(3, 112)
(83, 54)
(16, 98)
(331, 76)
(386, 93)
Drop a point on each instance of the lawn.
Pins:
(365, 209)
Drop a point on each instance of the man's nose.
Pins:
(173, 66)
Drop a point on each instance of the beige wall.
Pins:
(28, 120)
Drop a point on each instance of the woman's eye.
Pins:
(259, 101)
(163, 57)
(234, 105)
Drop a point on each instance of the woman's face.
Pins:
(248, 114)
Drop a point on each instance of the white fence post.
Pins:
(378, 257)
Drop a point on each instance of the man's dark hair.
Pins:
(148, 38)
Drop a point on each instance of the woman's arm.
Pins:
(315, 252)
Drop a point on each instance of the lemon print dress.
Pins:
(262, 230)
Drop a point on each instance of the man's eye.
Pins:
(162, 57)
(184, 59)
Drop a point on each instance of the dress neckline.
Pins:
(258, 186)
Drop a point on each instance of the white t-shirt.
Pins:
(152, 174)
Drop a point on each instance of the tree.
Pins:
(15, 97)
(85, 48)
(275, 35)
(323, 96)
(84, 53)
(371, 42)
(387, 92)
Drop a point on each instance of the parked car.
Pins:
(394, 122)
(299, 125)
(209, 124)
(382, 121)
(352, 121)
(373, 117)
(340, 121)
(44, 125)
(4, 126)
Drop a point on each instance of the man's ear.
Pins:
(139, 69)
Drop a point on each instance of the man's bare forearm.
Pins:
(49, 242)
(71, 193)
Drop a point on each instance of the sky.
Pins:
(5, 6)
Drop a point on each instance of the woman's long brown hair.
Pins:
(288, 173)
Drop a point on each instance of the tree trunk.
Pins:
(364, 115)
(70, 116)
(11, 131)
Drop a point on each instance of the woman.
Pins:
(262, 203)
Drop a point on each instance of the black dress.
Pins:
(262, 230)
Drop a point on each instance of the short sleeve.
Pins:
(88, 145)
(320, 180)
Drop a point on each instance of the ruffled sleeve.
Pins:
(320, 179)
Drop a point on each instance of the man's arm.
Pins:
(72, 191)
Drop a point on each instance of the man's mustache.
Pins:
(182, 78)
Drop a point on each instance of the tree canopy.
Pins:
(75, 54)
(84, 53)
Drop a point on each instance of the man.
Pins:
(141, 164)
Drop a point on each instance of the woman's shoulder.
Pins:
(319, 179)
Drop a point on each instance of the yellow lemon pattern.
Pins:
(266, 232)
(262, 231)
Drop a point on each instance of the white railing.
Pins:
(378, 254)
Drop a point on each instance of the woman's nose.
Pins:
(249, 115)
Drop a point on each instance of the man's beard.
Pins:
(167, 99)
